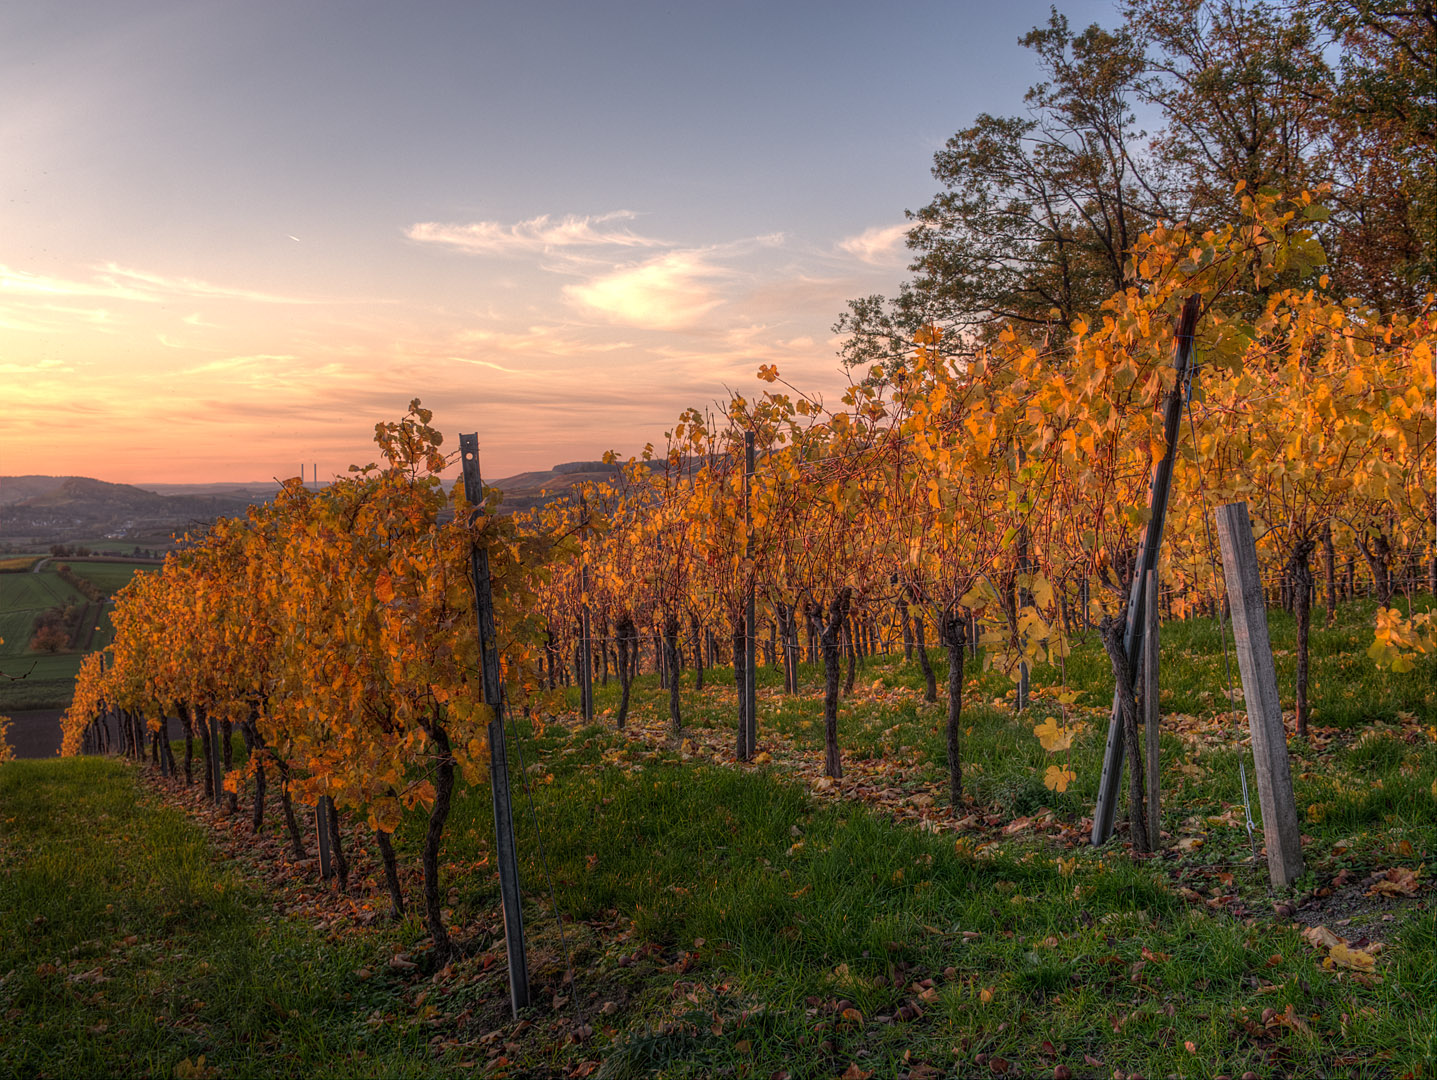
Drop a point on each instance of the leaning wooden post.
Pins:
(1280, 825)
(1107, 805)
(1151, 712)
(498, 754)
(750, 630)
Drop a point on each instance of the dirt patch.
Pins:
(1351, 912)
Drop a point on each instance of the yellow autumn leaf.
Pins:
(1348, 957)
(1057, 778)
(1053, 737)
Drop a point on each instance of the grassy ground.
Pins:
(128, 948)
(760, 920)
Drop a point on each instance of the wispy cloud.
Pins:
(881, 245)
(162, 287)
(544, 233)
(670, 292)
(24, 283)
(37, 367)
(258, 362)
(548, 341)
(488, 364)
(116, 282)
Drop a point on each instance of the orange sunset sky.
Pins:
(235, 235)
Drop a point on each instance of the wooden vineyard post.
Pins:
(750, 629)
(586, 647)
(217, 771)
(1280, 827)
(1106, 808)
(1151, 711)
(321, 836)
(498, 753)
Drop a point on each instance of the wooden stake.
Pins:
(1151, 711)
(321, 835)
(218, 770)
(1106, 808)
(750, 685)
(508, 863)
(586, 647)
(1280, 825)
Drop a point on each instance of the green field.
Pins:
(35, 592)
(110, 576)
(49, 678)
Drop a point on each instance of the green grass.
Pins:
(722, 920)
(863, 908)
(127, 947)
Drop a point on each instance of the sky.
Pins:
(234, 236)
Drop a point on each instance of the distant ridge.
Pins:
(51, 509)
(58, 509)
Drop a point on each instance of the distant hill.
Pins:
(60, 509)
(50, 509)
(19, 488)
(253, 491)
(530, 489)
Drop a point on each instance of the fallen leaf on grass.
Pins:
(1321, 937)
(855, 1073)
(1398, 881)
(195, 1070)
(1343, 956)
(1292, 1020)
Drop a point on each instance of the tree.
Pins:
(1382, 126)
(1240, 89)
(1037, 214)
